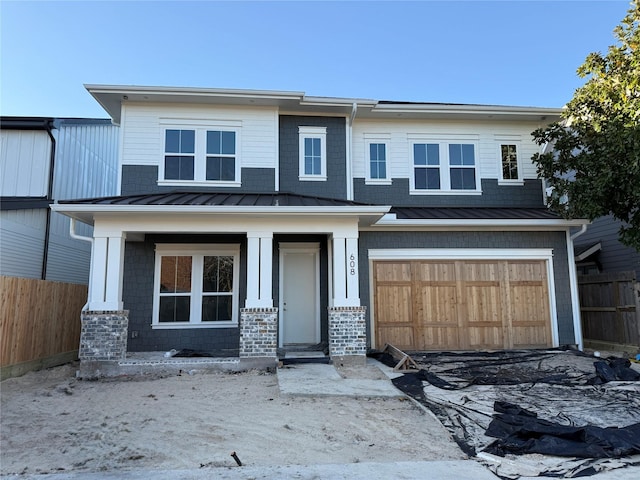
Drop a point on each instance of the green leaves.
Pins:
(593, 163)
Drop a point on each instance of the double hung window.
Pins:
(196, 286)
(202, 155)
(509, 163)
(313, 155)
(444, 166)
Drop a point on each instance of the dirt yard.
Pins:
(51, 422)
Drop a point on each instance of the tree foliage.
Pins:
(593, 159)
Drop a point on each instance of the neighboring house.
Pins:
(598, 250)
(41, 160)
(249, 221)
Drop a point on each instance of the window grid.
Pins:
(378, 161)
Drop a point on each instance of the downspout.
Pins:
(47, 229)
(349, 153)
(573, 281)
(75, 236)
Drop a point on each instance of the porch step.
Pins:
(292, 358)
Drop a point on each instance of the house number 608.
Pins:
(352, 265)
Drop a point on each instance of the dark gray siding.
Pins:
(138, 299)
(139, 179)
(505, 240)
(336, 184)
(493, 195)
(614, 256)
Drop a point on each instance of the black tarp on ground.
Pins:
(563, 387)
(521, 431)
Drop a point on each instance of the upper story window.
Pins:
(179, 154)
(313, 156)
(509, 163)
(196, 286)
(221, 155)
(441, 167)
(378, 161)
(426, 166)
(201, 155)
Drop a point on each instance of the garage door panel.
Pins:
(393, 272)
(393, 304)
(436, 305)
(483, 303)
(435, 272)
(400, 336)
(527, 304)
(530, 337)
(437, 338)
(485, 337)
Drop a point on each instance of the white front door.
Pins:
(299, 294)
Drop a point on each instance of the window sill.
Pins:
(195, 183)
(315, 178)
(511, 182)
(378, 181)
(445, 192)
(185, 325)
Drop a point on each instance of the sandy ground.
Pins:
(50, 422)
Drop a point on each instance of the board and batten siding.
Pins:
(24, 163)
(487, 135)
(143, 143)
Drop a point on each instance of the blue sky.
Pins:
(486, 52)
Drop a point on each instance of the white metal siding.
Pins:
(399, 157)
(24, 163)
(143, 144)
(22, 242)
(86, 166)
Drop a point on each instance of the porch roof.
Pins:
(179, 202)
(474, 213)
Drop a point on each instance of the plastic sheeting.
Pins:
(561, 387)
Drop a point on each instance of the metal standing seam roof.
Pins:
(473, 213)
(226, 199)
(283, 199)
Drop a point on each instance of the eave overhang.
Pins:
(389, 222)
(367, 215)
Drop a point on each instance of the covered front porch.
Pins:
(290, 280)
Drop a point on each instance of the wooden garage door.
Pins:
(461, 305)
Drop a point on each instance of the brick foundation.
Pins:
(258, 332)
(347, 335)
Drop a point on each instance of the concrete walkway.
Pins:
(319, 379)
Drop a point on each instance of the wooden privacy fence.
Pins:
(39, 323)
(610, 308)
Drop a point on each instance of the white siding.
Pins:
(399, 157)
(143, 144)
(24, 163)
(22, 242)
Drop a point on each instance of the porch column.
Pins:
(346, 290)
(107, 264)
(347, 322)
(103, 337)
(259, 318)
(259, 270)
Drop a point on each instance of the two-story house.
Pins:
(250, 221)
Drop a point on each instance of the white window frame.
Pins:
(377, 139)
(445, 166)
(500, 141)
(200, 127)
(313, 132)
(197, 252)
